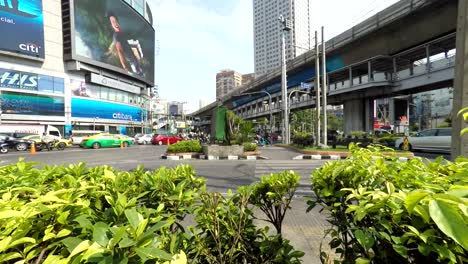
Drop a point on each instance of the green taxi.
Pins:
(106, 140)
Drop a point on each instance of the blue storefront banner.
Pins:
(29, 104)
(22, 27)
(86, 108)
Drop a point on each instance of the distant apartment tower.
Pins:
(227, 80)
(267, 31)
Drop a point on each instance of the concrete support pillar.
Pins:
(460, 92)
(369, 115)
(391, 111)
(353, 116)
(350, 76)
(369, 71)
(428, 59)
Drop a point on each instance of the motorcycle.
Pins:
(51, 145)
(4, 148)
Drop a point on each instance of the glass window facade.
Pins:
(83, 89)
(31, 82)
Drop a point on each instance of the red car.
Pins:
(162, 139)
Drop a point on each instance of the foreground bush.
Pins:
(303, 139)
(394, 212)
(78, 214)
(186, 146)
(250, 147)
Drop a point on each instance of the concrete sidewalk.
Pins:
(304, 230)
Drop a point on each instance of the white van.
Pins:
(21, 130)
(78, 135)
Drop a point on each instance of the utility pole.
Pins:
(317, 88)
(284, 85)
(324, 93)
(460, 91)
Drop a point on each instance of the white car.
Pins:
(437, 139)
(145, 139)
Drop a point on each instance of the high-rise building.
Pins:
(227, 80)
(246, 78)
(267, 31)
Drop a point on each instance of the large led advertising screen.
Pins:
(22, 27)
(110, 34)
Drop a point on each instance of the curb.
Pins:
(204, 157)
(337, 157)
(319, 157)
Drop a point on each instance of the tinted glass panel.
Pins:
(428, 133)
(445, 132)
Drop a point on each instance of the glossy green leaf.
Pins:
(449, 221)
(4, 243)
(5, 258)
(100, 233)
(366, 240)
(133, 217)
(80, 248)
(362, 260)
(153, 253)
(401, 250)
(413, 199)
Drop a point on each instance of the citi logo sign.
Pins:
(31, 47)
(122, 116)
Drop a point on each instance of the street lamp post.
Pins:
(284, 86)
(289, 110)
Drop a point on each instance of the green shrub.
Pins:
(388, 140)
(303, 139)
(386, 211)
(228, 233)
(186, 146)
(78, 214)
(358, 134)
(250, 147)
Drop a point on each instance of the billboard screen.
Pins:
(110, 34)
(22, 27)
(86, 108)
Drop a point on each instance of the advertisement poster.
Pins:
(22, 27)
(86, 108)
(109, 33)
(25, 104)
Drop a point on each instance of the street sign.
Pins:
(305, 85)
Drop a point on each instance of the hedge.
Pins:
(78, 214)
(386, 211)
(185, 146)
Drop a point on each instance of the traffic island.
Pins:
(338, 154)
(216, 152)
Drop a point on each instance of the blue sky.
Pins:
(197, 38)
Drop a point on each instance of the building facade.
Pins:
(267, 31)
(228, 80)
(54, 71)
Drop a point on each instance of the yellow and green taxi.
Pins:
(106, 140)
(38, 139)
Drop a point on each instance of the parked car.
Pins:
(78, 135)
(437, 139)
(16, 143)
(162, 139)
(144, 139)
(106, 140)
(137, 136)
(382, 132)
